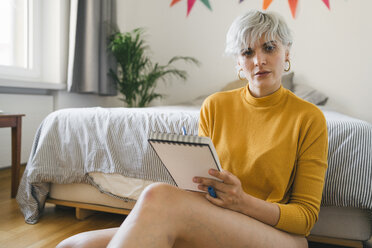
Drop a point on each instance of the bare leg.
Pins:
(166, 216)
(92, 239)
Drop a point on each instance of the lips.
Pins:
(261, 73)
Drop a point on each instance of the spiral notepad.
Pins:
(185, 157)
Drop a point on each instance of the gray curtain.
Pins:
(91, 22)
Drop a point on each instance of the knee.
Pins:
(68, 243)
(159, 194)
(79, 240)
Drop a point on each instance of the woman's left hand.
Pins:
(229, 192)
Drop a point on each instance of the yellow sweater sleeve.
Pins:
(301, 212)
(204, 120)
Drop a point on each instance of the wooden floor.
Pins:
(56, 224)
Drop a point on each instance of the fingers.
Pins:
(217, 201)
(229, 192)
(218, 195)
(205, 182)
(222, 200)
(224, 176)
(214, 173)
(205, 188)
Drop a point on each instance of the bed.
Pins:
(99, 159)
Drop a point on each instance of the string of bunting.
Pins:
(266, 3)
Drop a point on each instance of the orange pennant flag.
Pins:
(174, 2)
(326, 2)
(293, 6)
(266, 4)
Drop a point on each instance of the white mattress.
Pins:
(85, 193)
(115, 184)
(120, 185)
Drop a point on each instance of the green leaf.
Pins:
(137, 76)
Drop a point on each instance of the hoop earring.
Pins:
(289, 66)
(240, 78)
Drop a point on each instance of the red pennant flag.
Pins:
(190, 4)
(293, 6)
(326, 2)
(266, 4)
(174, 2)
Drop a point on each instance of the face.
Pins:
(263, 65)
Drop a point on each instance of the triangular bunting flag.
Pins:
(190, 4)
(206, 3)
(174, 2)
(293, 6)
(266, 4)
(326, 2)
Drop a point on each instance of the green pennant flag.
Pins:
(206, 3)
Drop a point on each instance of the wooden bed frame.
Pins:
(84, 210)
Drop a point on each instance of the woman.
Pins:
(272, 146)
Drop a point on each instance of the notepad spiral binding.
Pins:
(177, 139)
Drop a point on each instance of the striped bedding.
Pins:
(72, 143)
(348, 180)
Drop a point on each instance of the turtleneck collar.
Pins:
(265, 101)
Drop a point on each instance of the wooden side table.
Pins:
(15, 122)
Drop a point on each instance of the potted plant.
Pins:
(137, 76)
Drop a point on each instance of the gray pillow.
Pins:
(310, 94)
(287, 80)
(199, 100)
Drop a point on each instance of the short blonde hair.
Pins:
(250, 27)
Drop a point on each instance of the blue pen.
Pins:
(212, 192)
(184, 131)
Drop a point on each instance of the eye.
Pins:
(269, 48)
(247, 52)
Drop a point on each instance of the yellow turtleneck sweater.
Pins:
(276, 145)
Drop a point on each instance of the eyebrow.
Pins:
(265, 44)
(270, 42)
(245, 49)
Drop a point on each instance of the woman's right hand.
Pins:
(229, 192)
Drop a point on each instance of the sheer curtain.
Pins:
(91, 21)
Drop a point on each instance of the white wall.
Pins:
(331, 50)
(63, 99)
(35, 107)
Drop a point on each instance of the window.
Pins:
(18, 34)
(33, 44)
(14, 33)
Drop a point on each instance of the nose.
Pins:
(259, 58)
